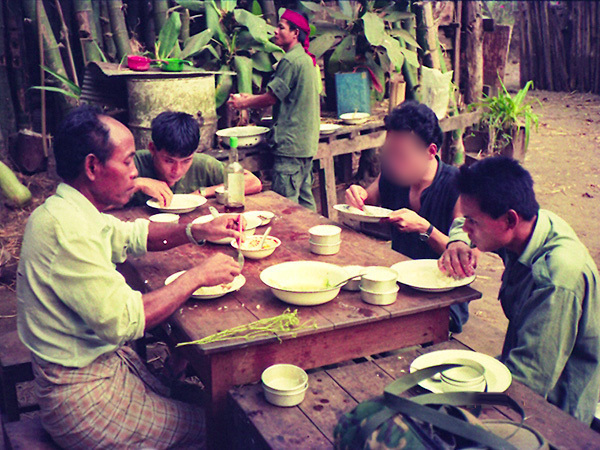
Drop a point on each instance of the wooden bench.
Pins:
(27, 434)
(333, 392)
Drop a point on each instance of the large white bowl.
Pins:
(180, 203)
(355, 118)
(247, 136)
(304, 283)
(252, 223)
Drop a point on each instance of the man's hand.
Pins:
(156, 189)
(217, 269)
(239, 101)
(408, 221)
(459, 260)
(225, 226)
(356, 196)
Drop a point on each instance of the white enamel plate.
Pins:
(210, 292)
(180, 204)
(424, 275)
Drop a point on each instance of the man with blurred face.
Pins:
(419, 188)
(75, 311)
(549, 290)
(294, 94)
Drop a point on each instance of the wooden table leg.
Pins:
(327, 187)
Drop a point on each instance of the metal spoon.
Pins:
(264, 237)
(213, 212)
(239, 246)
(341, 283)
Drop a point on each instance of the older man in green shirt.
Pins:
(549, 290)
(76, 312)
(294, 94)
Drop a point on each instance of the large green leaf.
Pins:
(344, 54)
(394, 51)
(213, 21)
(374, 28)
(196, 43)
(338, 15)
(228, 5)
(395, 16)
(312, 6)
(269, 47)
(411, 56)
(262, 62)
(169, 33)
(55, 89)
(223, 87)
(256, 8)
(257, 79)
(406, 36)
(72, 86)
(243, 68)
(192, 5)
(260, 30)
(321, 44)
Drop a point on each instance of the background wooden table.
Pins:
(345, 327)
(334, 392)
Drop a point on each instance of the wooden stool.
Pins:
(15, 367)
(28, 434)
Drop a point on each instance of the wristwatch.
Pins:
(424, 237)
(191, 238)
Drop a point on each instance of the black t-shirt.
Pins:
(437, 206)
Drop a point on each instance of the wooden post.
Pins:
(458, 7)
(473, 26)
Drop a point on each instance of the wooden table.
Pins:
(334, 392)
(345, 327)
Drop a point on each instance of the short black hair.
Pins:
(80, 133)
(294, 27)
(418, 118)
(499, 184)
(177, 133)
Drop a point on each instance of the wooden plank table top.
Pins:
(334, 392)
(345, 327)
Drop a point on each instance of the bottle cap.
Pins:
(233, 141)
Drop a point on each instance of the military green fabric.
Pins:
(296, 114)
(292, 178)
(205, 171)
(551, 298)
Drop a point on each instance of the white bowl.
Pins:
(325, 249)
(354, 283)
(304, 283)
(164, 218)
(251, 224)
(247, 136)
(221, 195)
(251, 250)
(325, 234)
(328, 128)
(379, 279)
(379, 298)
(284, 384)
(356, 118)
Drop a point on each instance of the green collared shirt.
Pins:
(296, 114)
(551, 298)
(205, 171)
(73, 305)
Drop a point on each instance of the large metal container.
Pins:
(194, 95)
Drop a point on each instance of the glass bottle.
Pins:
(234, 179)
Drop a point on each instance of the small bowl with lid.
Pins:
(325, 235)
(380, 280)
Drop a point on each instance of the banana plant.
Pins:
(365, 39)
(240, 43)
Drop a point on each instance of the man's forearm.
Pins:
(163, 236)
(259, 101)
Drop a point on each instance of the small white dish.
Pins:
(252, 223)
(164, 218)
(284, 384)
(371, 214)
(355, 118)
(379, 298)
(379, 280)
(354, 283)
(424, 275)
(325, 234)
(210, 292)
(264, 216)
(325, 249)
(180, 203)
(328, 128)
(497, 375)
(251, 250)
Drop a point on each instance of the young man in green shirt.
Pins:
(172, 165)
(549, 290)
(294, 94)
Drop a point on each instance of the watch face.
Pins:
(423, 237)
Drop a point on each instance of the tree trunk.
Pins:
(7, 111)
(269, 12)
(86, 31)
(160, 13)
(110, 50)
(473, 25)
(119, 28)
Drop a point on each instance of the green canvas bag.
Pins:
(432, 421)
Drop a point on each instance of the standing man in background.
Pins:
(294, 94)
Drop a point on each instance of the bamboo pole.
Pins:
(160, 13)
(86, 24)
(409, 72)
(110, 50)
(119, 28)
(184, 33)
(39, 9)
(7, 113)
(67, 41)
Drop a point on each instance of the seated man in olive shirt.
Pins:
(172, 165)
(549, 290)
